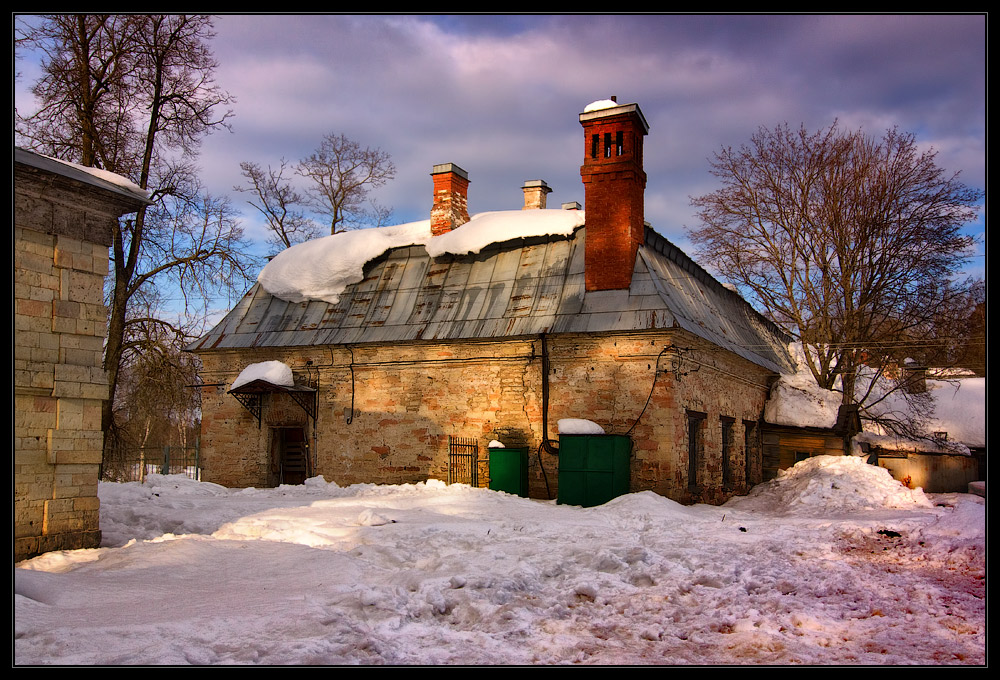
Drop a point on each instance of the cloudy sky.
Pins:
(500, 95)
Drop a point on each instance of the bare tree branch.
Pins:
(342, 175)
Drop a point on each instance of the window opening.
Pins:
(695, 421)
(727, 445)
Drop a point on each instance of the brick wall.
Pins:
(408, 398)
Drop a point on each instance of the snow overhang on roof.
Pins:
(101, 179)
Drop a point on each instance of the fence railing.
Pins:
(155, 460)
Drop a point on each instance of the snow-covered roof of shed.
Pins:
(506, 274)
(959, 408)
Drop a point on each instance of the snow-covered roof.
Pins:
(502, 274)
(94, 176)
(321, 269)
(959, 408)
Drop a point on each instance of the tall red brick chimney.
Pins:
(451, 191)
(614, 184)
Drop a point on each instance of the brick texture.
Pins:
(408, 399)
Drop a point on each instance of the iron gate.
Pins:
(463, 461)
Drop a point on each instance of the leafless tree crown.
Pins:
(852, 243)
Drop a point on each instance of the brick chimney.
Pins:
(614, 183)
(535, 191)
(451, 190)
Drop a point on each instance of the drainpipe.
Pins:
(546, 442)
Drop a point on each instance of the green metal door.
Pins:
(593, 469)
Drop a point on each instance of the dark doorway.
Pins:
(289, 455)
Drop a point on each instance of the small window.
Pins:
(619, 143)
(749, 447)
(801, 455)
(695, 446)
(607, 145)
(595, 141)
(727, 446)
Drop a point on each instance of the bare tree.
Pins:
(157, 402)
(342, 174)
(135, 94)
(273, 195)
(851, 243)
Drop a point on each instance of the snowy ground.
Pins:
(833, 563)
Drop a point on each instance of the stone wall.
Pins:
(62, 229)
(59, 385)
(385, 412)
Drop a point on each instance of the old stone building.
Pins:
(64, 217)
(494, 328)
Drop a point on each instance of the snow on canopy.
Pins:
(274, 372)
(321, 269)
(959, 411)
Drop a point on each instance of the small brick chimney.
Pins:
(535, 191)
(451, 190)
(614, 185)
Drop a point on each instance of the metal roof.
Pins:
(520, 288)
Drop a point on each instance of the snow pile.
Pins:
(430, 574)
(579, 426)
(274, 372)
(833, 484)
(321, 269)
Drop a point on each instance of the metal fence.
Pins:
(463, 461)
(155, 460)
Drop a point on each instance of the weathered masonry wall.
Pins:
(62, 230)
(385, 412)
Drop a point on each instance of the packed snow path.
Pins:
(833, 563)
